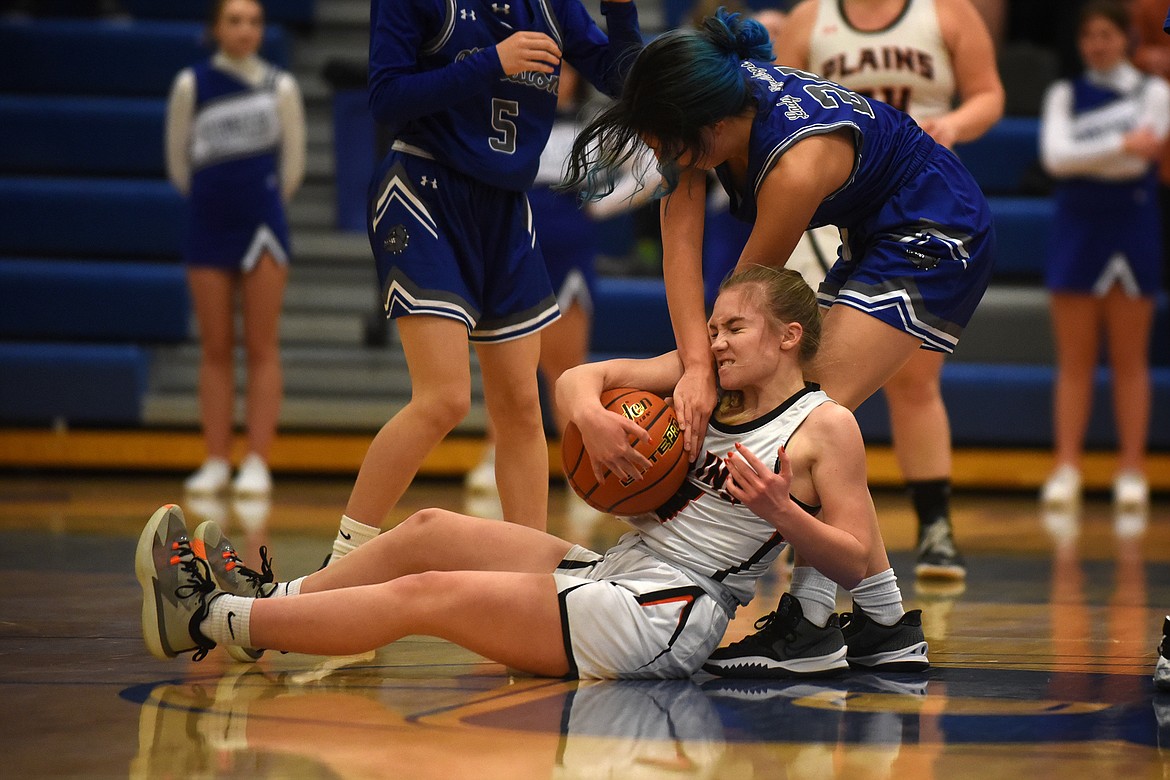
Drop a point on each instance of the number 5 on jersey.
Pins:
(506, 140)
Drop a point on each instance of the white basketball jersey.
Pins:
(706, 531)
(905, 65)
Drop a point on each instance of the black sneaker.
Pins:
(937, 556)
(786, 645)
(1162, 669)
(897, 648)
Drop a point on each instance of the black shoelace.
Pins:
(198, 585)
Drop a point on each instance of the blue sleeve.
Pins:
(602, 60)
(1166, 24)
(399, 90)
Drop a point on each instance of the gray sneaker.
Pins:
(897, 648)
(177, 588)
(212, 545)
(231, 575)
(786, 645)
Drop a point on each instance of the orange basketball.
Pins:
(665, 451)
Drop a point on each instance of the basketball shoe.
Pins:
(177, 588)
(786, 645)
(231, 575)
(1162, 669)
(229, 572)
(937, 556)
(897, 648)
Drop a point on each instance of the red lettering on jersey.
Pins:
(867, 60)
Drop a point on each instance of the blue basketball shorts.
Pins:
(450, 246)
(922, 263)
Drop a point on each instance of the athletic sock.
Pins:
(350, 536)
(816, 593)
(879, 597)
(931, 499)
(290, 588)
(228, 621)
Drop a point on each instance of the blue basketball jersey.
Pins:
(794, 105)
(919, 242)
(436, 82)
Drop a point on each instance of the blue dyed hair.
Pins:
(683, 82)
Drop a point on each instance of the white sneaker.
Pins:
(482, 478)
(1130, 490)
(1061, 522)
(253, 478)
(1063, 487)
(211, 477)
(1130, 523)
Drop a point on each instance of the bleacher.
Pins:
(90, 277)
(92, 290)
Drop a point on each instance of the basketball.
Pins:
(665, 451)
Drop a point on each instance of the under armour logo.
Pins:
(465, 14)
(424, 181)
(505, 8)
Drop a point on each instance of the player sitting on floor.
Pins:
(782, 464)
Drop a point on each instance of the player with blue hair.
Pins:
(793, 151)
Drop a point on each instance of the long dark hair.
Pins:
(683, 82)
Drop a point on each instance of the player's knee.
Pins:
(443, 409)
(915, 392)
(431, 520)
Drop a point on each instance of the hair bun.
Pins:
(736, 34)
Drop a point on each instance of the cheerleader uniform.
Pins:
(1107, 229)
(235, 143)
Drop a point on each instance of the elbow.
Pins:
(380, 104)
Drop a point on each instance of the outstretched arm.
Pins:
(683, 212)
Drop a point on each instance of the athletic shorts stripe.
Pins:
(631, 615)
(448, 245)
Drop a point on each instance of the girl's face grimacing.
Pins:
(744, 342)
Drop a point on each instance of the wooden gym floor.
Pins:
(1041, 663)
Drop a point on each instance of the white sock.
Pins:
(228, 621)
(816, 593)
(290, 588)
(350, 536)
(879, 598)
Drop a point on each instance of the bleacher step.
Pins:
(302, 413)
